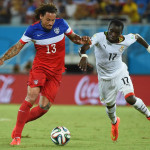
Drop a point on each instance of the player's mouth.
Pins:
(48, 26)
(111, 38)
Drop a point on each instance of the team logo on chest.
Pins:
(121, 49)
(57, 30)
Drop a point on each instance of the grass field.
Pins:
(89, 127)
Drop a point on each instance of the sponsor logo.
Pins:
(104, 46)
(5, 91)
(56, 30)
(87, 92)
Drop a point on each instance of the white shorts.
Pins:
(110, 88)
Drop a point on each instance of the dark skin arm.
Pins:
(142, 41)
(84, 60)
(13, 51)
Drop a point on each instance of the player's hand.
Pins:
(83, 63)
(85, 40)
(1, 61)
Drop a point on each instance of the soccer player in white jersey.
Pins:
(45, 76)
(112, 72)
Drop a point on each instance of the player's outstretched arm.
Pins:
(84, 57)
(13, 51)
(143, 42)
(79, 40)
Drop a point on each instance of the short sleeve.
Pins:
(27, 36)
(94, 40)
(67, 28)
(131, 38)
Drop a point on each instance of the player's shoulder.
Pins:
(59, 21)
(99, 34)
(130, 36)
(34, 26)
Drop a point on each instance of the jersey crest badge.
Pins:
(36, 82)
(121, 49)
(56, 30)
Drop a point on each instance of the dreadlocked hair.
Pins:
(51, 8)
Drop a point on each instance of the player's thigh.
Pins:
(36, 78)
(124, 84)
(108, 92)
(50, 89)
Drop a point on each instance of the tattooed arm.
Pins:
(13, 51)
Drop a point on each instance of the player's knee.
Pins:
(131, 99)
(109, 107)
(32, 96)
(45, 106)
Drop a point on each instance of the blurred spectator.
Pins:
(38, 2)
(71, 8)
(61, 9)
(106, 6)
(16, 12)
(142, 5)
(81, 12)
(79, 1)
(16, 69)
(92, 9)
(27, 67)
(117, 7)
(131, 9)
(4, 11)
(146, 14)
(30, 12)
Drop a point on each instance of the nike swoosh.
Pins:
(39, 34)
(21, 110)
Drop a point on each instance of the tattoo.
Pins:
(45, 107)
(13, 51)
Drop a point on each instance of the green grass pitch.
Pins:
(89, 126)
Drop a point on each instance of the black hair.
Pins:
(117, 23)
(51, 8)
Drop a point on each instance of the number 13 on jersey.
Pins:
(51, 48)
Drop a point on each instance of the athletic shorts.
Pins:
(48, 83)
(110, 88)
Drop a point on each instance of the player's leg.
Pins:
(111, 112)
(108, 96)
(126, 87)
(48, 94)
(40, 110)
(32, 94)
(138, 104)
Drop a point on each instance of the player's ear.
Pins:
(41, 16)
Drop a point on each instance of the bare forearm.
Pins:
(75, 38)
(13, 51)
(142, 41)
(79, 40)
(84, 48)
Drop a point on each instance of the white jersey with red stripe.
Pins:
(109, 55)
(49, 44)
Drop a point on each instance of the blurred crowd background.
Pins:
(86, 17)
(22, 11)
